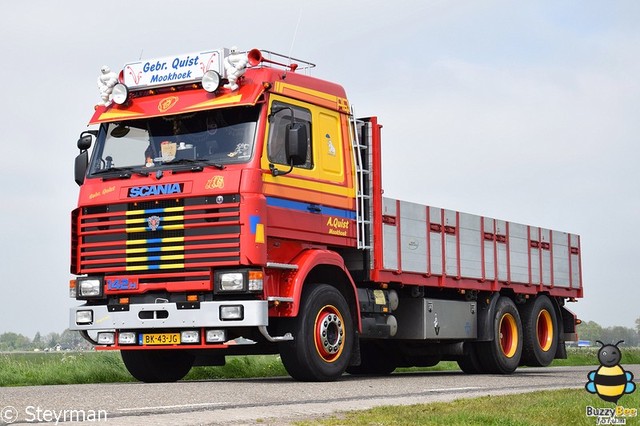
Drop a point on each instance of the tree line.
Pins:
(592, 331)
(67, 340)
(71, 340)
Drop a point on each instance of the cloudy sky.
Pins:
(524, 111)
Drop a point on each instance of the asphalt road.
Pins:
(274, 401)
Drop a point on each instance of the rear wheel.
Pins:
(322, 336)
(502, 354)
(540, 330)
(157, 366)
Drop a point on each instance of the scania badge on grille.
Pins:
(153, 222)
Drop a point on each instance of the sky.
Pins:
(522, 111)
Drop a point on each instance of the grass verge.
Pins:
(26, 369)
(560, 407)
(56, 368)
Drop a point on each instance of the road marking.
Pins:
(172, 407)
(453, 389)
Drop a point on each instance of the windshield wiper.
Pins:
(197, 164)
(124, 173)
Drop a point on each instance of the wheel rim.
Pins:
(545, 330)
(508, 335)
(329, 333)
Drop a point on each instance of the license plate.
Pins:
(160, 339)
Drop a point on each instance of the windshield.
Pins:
(214, 137)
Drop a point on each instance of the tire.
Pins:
(374, 360)
(502, 354)
(323, 336)
(469, 361)
(157, 366)
(540, 331)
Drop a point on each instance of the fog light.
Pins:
(231, 312)
(84, 317)
(120, 93)
(190, 336)
(216, 336)
(106, 338)
(127, 338)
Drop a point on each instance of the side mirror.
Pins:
(82, 162)
(86, 139)
(296, 144)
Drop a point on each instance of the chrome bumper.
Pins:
(167, 315)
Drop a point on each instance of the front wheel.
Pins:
(323, 336)
(157, 366)
(502, 354)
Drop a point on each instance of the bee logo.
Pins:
(610, 381)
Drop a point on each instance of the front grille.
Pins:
(151, 237)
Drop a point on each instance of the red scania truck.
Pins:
(233, 204)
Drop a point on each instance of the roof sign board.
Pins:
(172, 70)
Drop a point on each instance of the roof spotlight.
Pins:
(120, 93)
(211, 81)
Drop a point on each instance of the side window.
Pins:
(280, 117)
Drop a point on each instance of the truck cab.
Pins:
(191, 200)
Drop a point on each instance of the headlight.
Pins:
(239, 281)
(211, 81)
(233, 281)
(120, 93)
(89, 288)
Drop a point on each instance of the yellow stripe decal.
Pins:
(148, 267)
(155, 241)
(144, 220)
(155, 258)
(153, 249)
(163, 227)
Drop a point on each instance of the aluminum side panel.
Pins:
(518, 253)
(560, 250)
(413, 226)
(470, 246)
